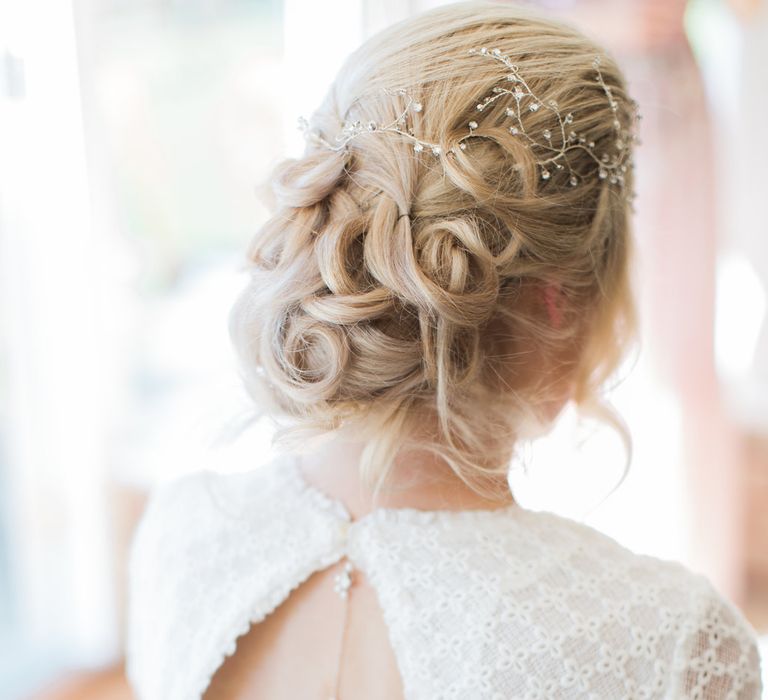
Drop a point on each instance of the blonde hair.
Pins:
(430, 329)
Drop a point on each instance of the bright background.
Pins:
(133, 135)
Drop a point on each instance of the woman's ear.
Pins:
(552, 300)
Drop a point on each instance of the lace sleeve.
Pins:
(718, 657)
(148, 547)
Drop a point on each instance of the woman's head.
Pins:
(463, 326)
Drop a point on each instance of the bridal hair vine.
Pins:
(556, 142)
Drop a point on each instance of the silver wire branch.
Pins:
(524, 101)
(614, 169)
(351, 129)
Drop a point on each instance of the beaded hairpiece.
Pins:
(557, 141)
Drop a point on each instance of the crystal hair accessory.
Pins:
(556, 141)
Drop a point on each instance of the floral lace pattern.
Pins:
(479, 604)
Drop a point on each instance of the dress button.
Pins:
(343, 528)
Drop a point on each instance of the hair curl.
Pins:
(431, 328)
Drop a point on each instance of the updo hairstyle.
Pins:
(401, 298)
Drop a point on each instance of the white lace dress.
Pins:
(479, 605)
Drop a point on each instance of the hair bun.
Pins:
(437, 322)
